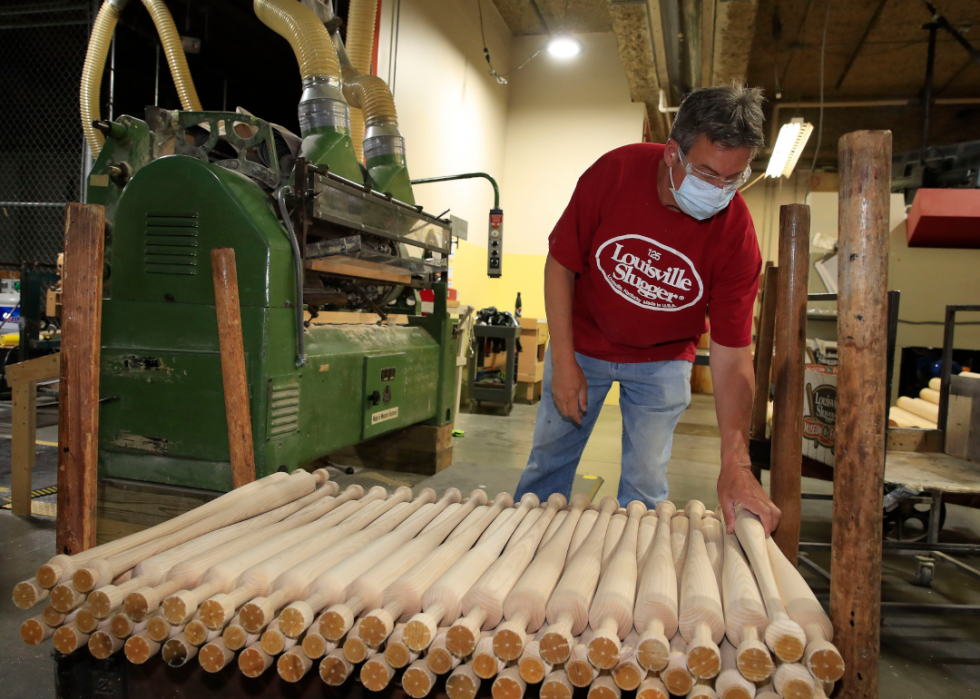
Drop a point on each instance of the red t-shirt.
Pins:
(646, 275)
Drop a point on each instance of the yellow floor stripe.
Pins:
(37, 441)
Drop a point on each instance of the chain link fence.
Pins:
(42, 48)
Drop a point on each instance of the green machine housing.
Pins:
(180, 184)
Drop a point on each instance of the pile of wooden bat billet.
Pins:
(288, 571)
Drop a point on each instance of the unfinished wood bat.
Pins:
(486, 665)
(253, 661)
(645, 537)
(820, 655)
(98, 572)
(151, 571)
(294, 583)
(438, 658)
(745, 613)
(102, 644)
(463, 683)
(188, 572)
(702, 621)
(556, 686)
(215, 656)
(274, 642)
(376, 543)
(442, 601)
(582, 530)
(714, 543)
(367, 590)
(793, 681)
(531, 666)
(335, 668)
(604, 687)
(483, 605)
(568, 608)
(922, 408)
(730, 684)
(903, 418)
(293, 665)
(402, 599)
(236, 637)
(783, 635)
(677, 678)
(611, 613)
(652, 688)
(613, 534)
(929, 395)
(509, 684)
(36, 631)
(628, 673)
(578, 669)
(524, 608)
(140, 647)
(702, 691)
(553, 527)
(525, 524)
(397, 652)
(655, 613)
(418, 680)
(377, 673)
(310, 539)
(221, 576)
(61, 567)
(679, 526)
(28, 593)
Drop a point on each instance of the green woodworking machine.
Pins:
(313, 231)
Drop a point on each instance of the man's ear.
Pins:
(670, 153)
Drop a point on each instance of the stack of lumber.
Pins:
(921, 412)
(289, 573)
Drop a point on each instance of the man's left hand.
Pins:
(737, 486)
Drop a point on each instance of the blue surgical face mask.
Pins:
(697, 198)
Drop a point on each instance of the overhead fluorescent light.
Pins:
(792, 139)
(564, 46)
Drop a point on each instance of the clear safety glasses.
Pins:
(728, 185)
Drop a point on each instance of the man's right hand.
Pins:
(569, 389)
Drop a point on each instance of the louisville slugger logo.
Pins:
(648, 274)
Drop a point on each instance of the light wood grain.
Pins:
(656, 610)
(556, 686)
(568, 608)
(676, 676)
(679, 526)
(793, 681)
(525, 606)
(578, 668)
(582, 529)
(702, 621)
(613, 534)
(463, 683)
(652, 688)
(645, 537)
(783, 635)
(611, 612)
(922, 408)
(730, 684)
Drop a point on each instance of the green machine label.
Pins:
(384, 383)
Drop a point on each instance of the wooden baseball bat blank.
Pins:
(35, 631)
(555, 686)
(189, 571)
(613, 534)
(483, 606)
(604, 687)
(783, 635)
(820, 656)
(903, 418)
(579, 670)
(274, 642)
(524, 608)
(793, 681)
(140, 647)
(442, 602)
(464, 683)
(730, 684)
(702, 621)
(679, 526)
(645, 537)
(177, 652)
(486, 665)
(328, 587)
(568, 608)
(418, 679)
(611, 613)
(628, 673)
(397, 653)
(402, 599)
(676, 676)
(655, 613)
(367, 590)
(236, 637)
(553, 527)
(377, 673)
(215, 656)
(27, 593)
(509, 684)
(293, 584)
(919, 407)
(929, 395)
(702, 691)
(745, 613)
(525, 525)
(100, 571)
(60, 568)
(335, 668)
(221, 577)
(532, 667)
(293, 665)
(582, 529)
(438, 658)
(253, 661)
(714, 543)
(652, 688)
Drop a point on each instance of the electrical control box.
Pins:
(384, 379)
(495, 244)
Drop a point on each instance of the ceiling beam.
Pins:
(707, 41)
(733, 35)
(860, 44)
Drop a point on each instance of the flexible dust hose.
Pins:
(174, 51)
(91, 84)
(371, 95)
(322, 103)
(298, 262)
(361, 21)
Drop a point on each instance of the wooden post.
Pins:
(763, 358)
(78, 418)
(233, 375)
(862, 318)
(790, 343)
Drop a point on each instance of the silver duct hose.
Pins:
(298, 259)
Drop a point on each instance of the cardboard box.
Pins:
(819, 412)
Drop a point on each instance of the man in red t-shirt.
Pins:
(655, 238)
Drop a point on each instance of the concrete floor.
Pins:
(923, 654)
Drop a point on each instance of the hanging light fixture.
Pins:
(564, 46)
(789, 146)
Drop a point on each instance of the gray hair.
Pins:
(730, 116)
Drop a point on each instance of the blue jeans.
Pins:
(652, 397)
